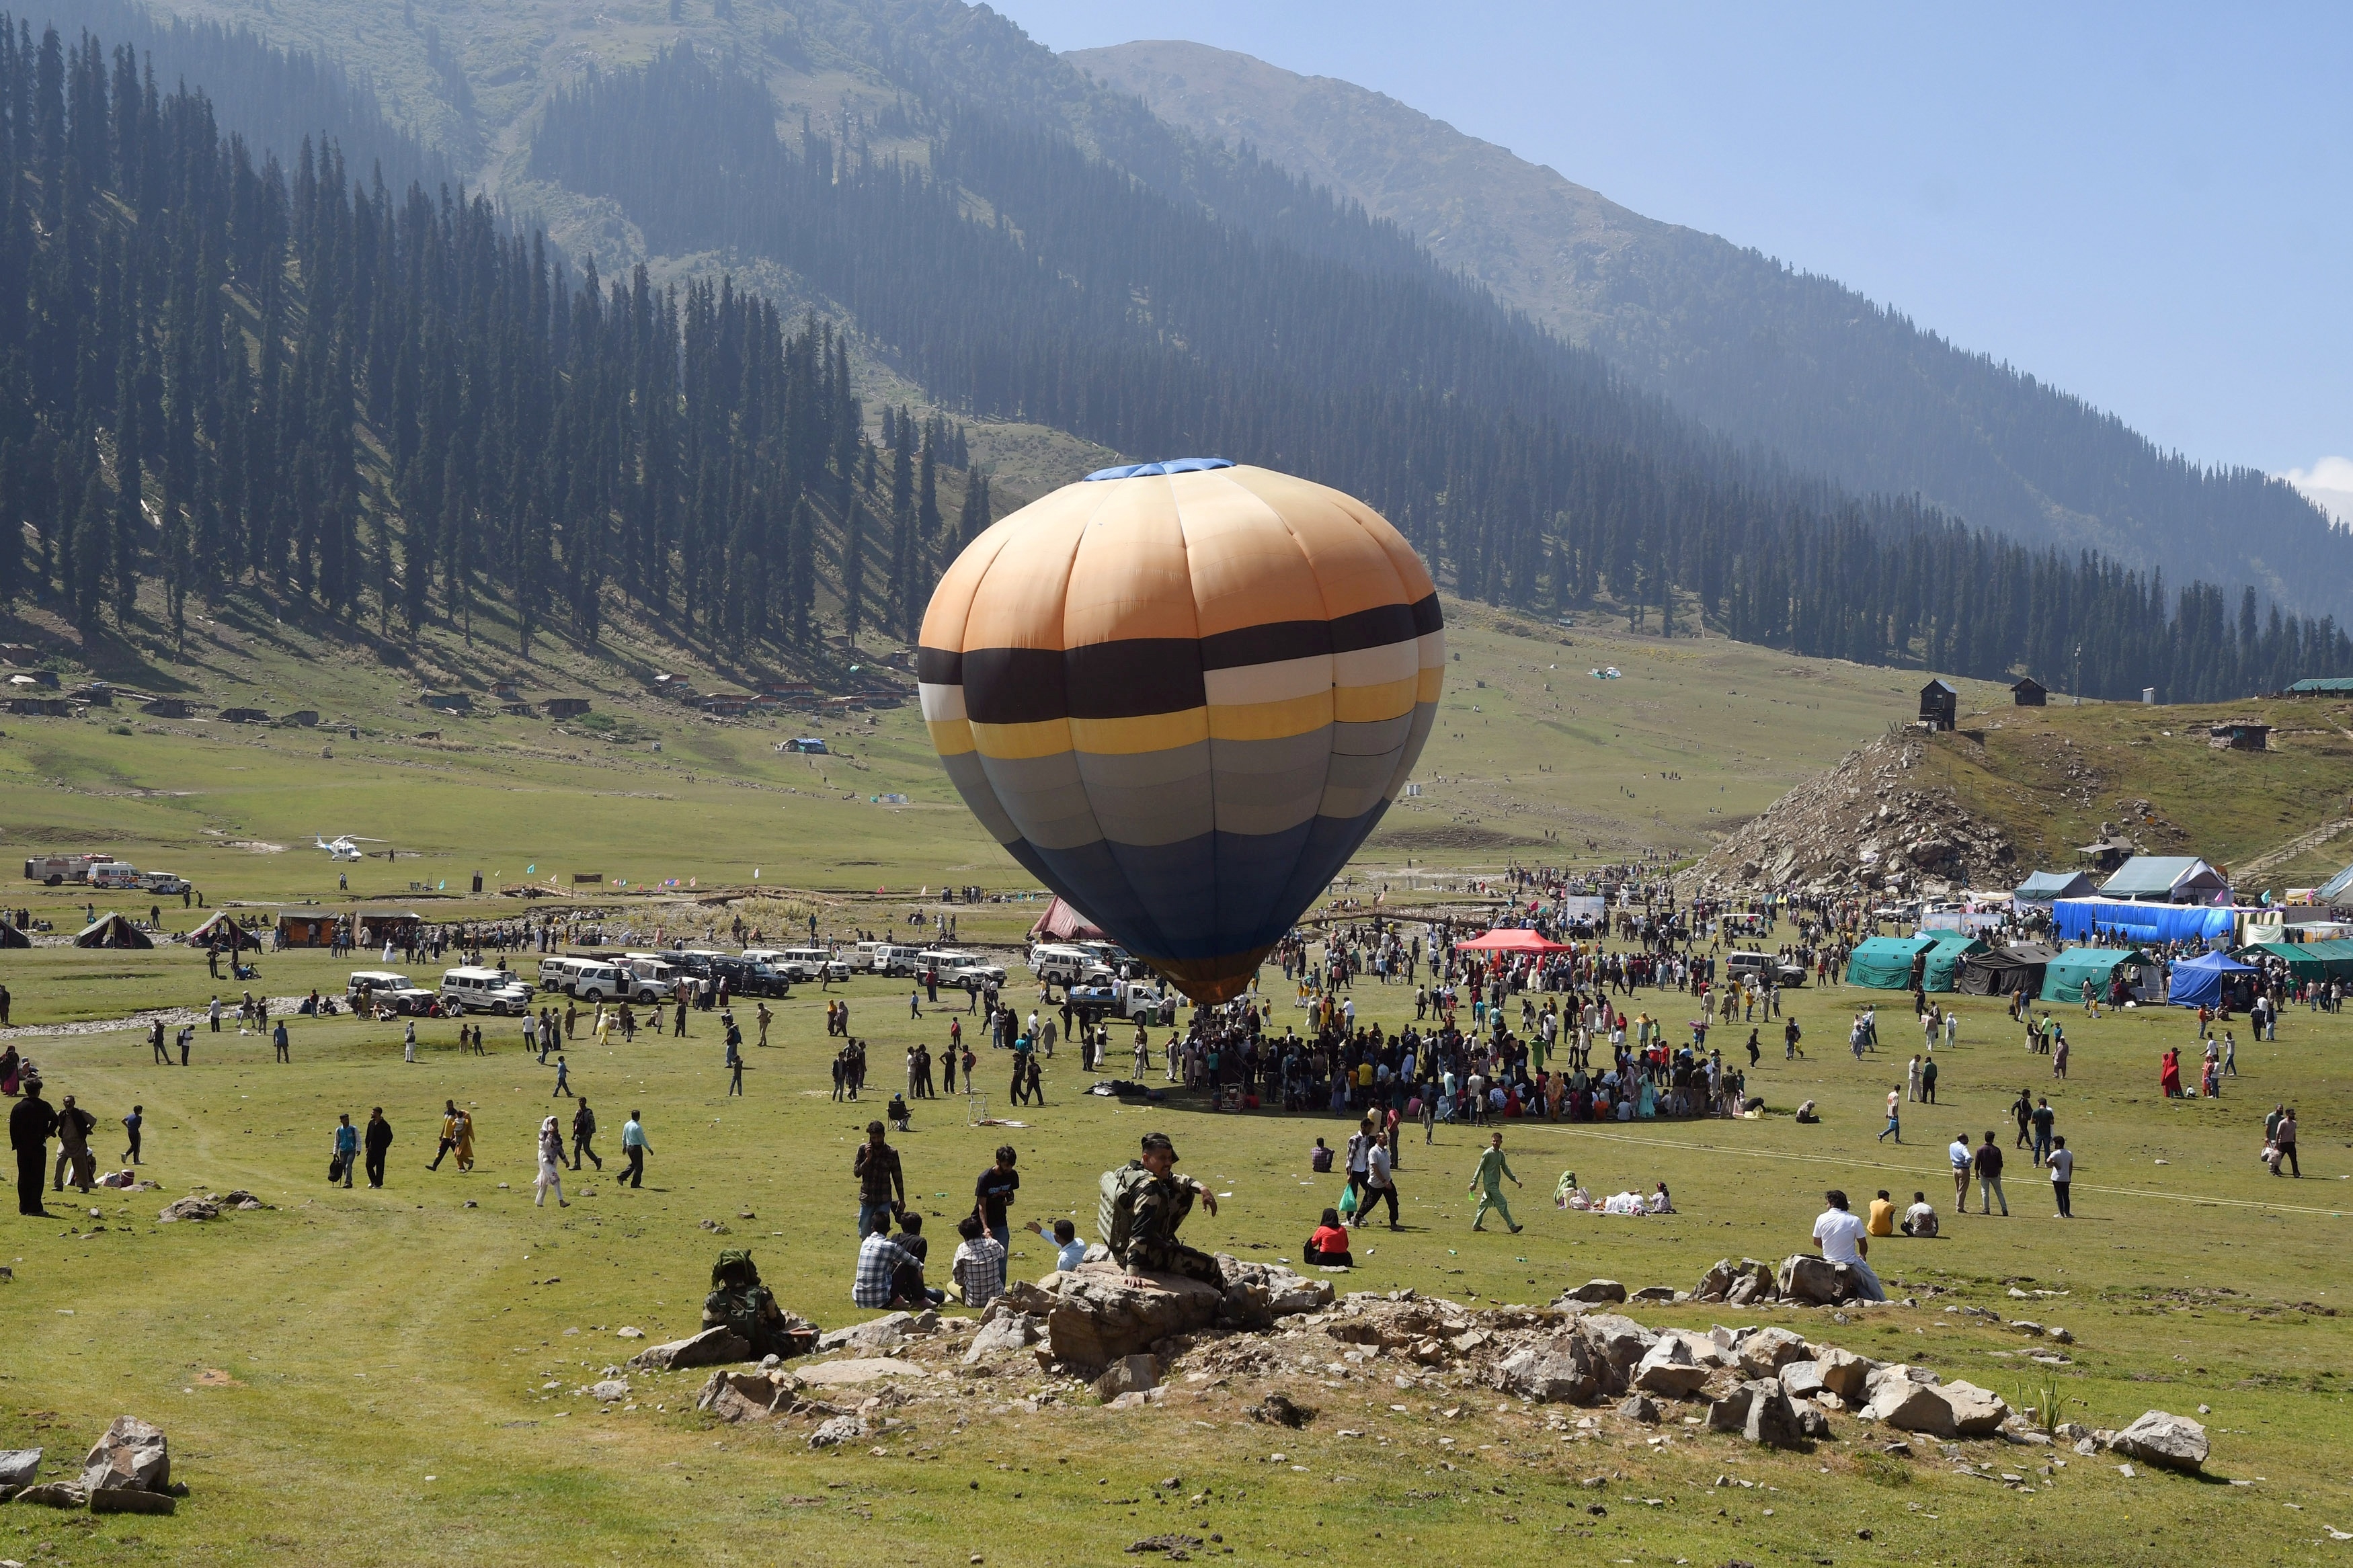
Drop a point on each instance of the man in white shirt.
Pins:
(2063, 1176)
(1840, 1234)
(1956, 1154)
(1920, 1220)
(1380, 1185)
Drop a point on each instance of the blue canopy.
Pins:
(2199, 981)
(2078, 919)
(1151, 470)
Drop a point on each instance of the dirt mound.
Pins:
(1876, 820)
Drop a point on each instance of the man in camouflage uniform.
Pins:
(1161, 1206)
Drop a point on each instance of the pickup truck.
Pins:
(1123, 999)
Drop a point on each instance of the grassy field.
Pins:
(1533, 759)
(346, 1373)
(2053, 777)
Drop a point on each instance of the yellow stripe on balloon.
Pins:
(1371, 704)
(1276, 721)
(1144, 733)
(1431, 684)
(950, 737)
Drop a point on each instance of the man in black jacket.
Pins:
(376, 1140)
(30, 1126)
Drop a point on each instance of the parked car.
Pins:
(375, 981)
(473, 990)
(801, 964)
(956, 967)
(1061, 964)
(169, 883)
(1123, 999)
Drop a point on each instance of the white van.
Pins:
(377, 981)
(558, 972)
(800, 964)
(114, 874)
(653, 969)
(1064, 965)
(955, 966)
(495, 991)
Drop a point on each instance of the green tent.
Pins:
(2063, 979)
(2307, 959)
(1884, 962)
(1953, 949)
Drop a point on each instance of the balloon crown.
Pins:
(1169, 466)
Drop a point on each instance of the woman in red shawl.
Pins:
(2168, 1075)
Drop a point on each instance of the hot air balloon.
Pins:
(1182, 694)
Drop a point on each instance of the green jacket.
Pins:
(1492, 1168)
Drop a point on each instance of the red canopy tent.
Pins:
(1061, 922)
(1509, 941)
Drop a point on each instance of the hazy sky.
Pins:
(2148, 205)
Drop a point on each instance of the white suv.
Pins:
(495, 991)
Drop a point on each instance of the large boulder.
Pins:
(1002, 1335)
(131, 1456)
(1730, 1413)
(1259, 1293)
(1976, 1411)
(1801, 1379)
(887, 1333)
(1736, 1282)
(712, 1347)
(1910, 1407)
(747, 1396)
(1817, 1282)
(1128, 1375)
(1765, 1352)
(193, 1206)
(1563, 1369)
(2175, 1442)
(1619, 1342)
(1670, 1369)
(1845, 1374)
(1771, 1421)
(19, 1466)
(1098, 1317)
(1593, 1291)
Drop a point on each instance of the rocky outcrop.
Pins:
(1813, 1281)
(1739, 1284)
(1872, 820)
(1561, 1370)
(712, 1347)
(1259, 1293)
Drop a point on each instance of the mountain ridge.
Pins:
(1756, 349)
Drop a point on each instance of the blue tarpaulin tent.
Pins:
(2199, 981)
(2064, 977)
(1884, 962)
(2076, 919)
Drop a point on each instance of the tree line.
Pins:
(1015, 276)
(217, 372)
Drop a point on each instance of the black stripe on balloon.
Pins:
(1133, 677)
(1124, 680)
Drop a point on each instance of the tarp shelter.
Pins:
(2310, 960)
(1509, 940)
(111, 930)
(306, 929)
(398, 926)
(2338, 887)
(222, 931)
(1942, 969)
(11, 937)
(2064, 976)
(1061, 922)
(2199, 981)
(2043, 887)
(1884, 962)
(2076, 919)
(1999, 970)
(2166, 879)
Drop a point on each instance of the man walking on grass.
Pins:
(1487, 1185)
(634, 1148)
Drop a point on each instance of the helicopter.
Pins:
(345, 847)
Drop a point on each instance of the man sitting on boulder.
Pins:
(740, 1301)
(1144, 1202)
(1840, 1236)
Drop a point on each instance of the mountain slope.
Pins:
(1795, 362)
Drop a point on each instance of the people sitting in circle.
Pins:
(1328, 1247)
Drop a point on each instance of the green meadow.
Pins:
(346, 1373)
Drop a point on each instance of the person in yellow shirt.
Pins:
(1883, 1215)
